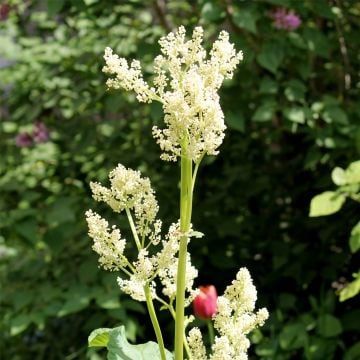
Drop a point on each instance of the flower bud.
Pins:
(205, 302)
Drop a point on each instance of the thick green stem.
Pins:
(154, 321)
(186, 345)
(185, 220)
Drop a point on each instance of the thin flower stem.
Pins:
(211, 332)
(185, 220)
(143, 236)
(154, 321)
(133, 229)
(187, 349)
(196, 168)
(127, 272)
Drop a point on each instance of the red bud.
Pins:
(205, 302)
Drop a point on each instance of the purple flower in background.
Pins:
(284, 19)
(23, 139)
(4, 11)
(40, 133)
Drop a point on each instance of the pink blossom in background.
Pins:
(40, 133)
(4, 11)
(23, 139)
(284, 19)
(205, 302)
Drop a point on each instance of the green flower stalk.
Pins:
(186, 195)
(186, 82)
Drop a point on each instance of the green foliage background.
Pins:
(293, 114)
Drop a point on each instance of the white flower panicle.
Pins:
(186, 82)
(144, 270)
(129, 78)
(168, 277)
(234, 319)
(196, 345)
(167, 263)
(162, 264)
(222, 350)
(130, 191)
(107, 243)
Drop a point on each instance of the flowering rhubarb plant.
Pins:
(186, 83)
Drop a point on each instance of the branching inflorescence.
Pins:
(186, 82)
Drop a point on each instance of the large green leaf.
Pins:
(355, 238)
(293, 336)
(99, 337)
(353, 173)
(77, 298)
(236, 121)
(295, 114)
(54, 6)
(212, 12)
(334, 114)
(19, 323)
(329, 202)
(353, 353)
(351, 290)
(338, 176)
(120, 349)
(271, 56)
(329, 325)
(245, 19)
(268, 86)
(264, 112)
(295, 90)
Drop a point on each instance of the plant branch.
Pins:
(133, 229)
(154, 321)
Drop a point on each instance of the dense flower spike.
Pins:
(236, 318)
(196, 345)
(107, 243)
(186, 82)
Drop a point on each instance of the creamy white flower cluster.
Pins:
(133, 194)
(234, 319)
(107, 243)
(186, 82)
